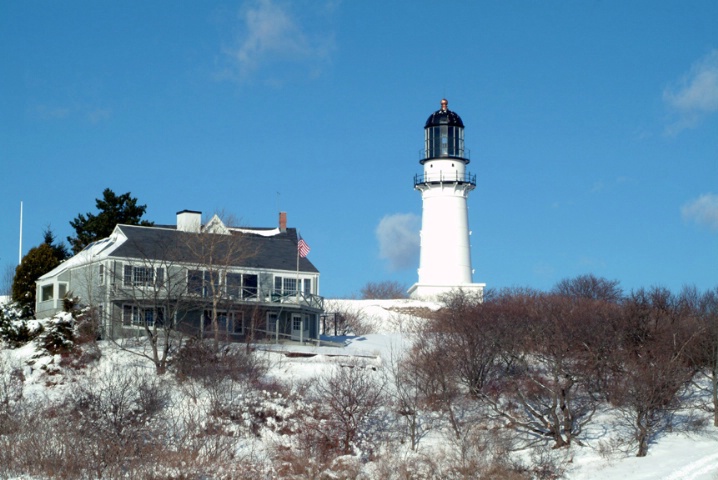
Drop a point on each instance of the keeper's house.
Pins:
(253, 283)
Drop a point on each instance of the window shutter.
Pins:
(128, 276)
(115, 266)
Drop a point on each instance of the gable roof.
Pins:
(264, 249)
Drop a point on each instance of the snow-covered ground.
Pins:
(673, 456)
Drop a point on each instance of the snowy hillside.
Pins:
(184, 426)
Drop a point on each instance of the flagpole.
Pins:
(297, 287)
(19, 255)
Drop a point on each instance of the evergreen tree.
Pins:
(58, 249)
(113, 209)
(38, 261)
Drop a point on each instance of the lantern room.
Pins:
(444, 135)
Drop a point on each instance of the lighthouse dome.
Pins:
(444, 116)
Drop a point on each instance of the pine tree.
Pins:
(113, 209)
(38, 261)
(58, 249)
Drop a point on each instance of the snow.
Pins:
(674, 455)
(89, 254)
(262, 233)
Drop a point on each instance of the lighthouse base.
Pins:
(423, 291)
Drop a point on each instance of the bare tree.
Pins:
(385, 290)
(545, 394)
(703, 309)
(214, 251)
(150, 300)
(709, 319)
(589, 287)
(655, 363)
(435, 379)
(407, 400)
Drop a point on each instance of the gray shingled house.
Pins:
(250, 282)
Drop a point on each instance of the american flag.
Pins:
(302, 248)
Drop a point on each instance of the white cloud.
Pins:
(270, 33)
(398, 237)
(695, 95)
(702, 211)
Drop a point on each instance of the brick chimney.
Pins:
(282, 222)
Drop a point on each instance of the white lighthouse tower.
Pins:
(445, 262)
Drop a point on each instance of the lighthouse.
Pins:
(445, 260)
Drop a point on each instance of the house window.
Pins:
(62, 290)
(133, 315)
(46, 293)
(237, 325)
(142, 276)
(194, 282)
(249, 285)
(227, 322)
(234, 285)
(241, 285)
(285, 285)
(204, 283)
(213, 283)
(101, 274)
(290, 286)
(308, 286)
(296, 322)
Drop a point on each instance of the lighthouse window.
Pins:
(444, 140)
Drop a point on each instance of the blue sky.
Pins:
(593, 127)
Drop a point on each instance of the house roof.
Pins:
(265, 249)
(260, 248)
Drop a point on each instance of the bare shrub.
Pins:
(345, 319)
(393, 465)
(385, 290)
(352, 396)
(114, 420)
(11, 395)
(87, 326)
(199, 360)
(413, 418)
(109, 426)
